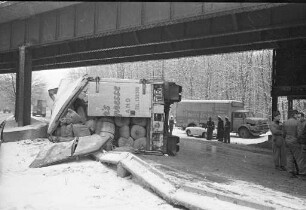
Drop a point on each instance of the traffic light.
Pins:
(172, 92)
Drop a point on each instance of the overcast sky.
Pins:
(51, 77)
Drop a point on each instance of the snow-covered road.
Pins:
(83, 184)
(234, 137)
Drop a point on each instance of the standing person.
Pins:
(301, 162)
(227, 130)
(293, 148)
(171, 124)
(301, 124)
(220, 129)
(210, 128)
(278, 142)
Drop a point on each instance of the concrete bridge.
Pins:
(47, 35)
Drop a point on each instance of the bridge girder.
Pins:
(227, 33)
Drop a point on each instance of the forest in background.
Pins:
(243, 76)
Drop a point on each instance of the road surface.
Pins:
(232, 165)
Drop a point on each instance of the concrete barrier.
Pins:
(11, 132)
(178, 195)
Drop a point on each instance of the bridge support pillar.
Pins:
(23, 83)
(290, 105)
(274, 104)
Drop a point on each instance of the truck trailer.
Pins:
(125, 100)
(196, 113)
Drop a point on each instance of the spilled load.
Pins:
(91, 114)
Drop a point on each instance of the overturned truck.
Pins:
(91, 114)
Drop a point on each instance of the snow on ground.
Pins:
(234, 137)
(83, 184)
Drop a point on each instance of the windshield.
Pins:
(249, 114)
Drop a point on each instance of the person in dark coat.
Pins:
(293, 147)
(220, 129)
(210, 128)
(302, 141)
(171, 124)
(278, 142)
(227, 130)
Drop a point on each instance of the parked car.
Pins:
(196, 131)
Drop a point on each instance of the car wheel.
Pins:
(188, 133)
(244, 133)
(203, 135)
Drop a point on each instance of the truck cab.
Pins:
(245, 124)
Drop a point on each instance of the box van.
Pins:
(194, 112)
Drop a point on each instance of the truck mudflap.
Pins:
(64, 151)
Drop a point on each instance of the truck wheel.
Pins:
(188, 133)
(204, 135)
(244, 133)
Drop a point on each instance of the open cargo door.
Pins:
(68, 91)
(80, 146)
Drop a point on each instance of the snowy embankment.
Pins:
(83, 184)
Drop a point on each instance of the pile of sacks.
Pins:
(130, 132)
(126, 132)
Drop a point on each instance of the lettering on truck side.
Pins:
(117, 101)
(137, 92)
(127, 105)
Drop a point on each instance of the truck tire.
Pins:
(244, 133)
(188, 132)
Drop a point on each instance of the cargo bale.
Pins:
(91, 124)
(107, 119)
(140, 143)
(125, 142)
(139, 121)
(121, 121)
(124, 131)
(66, 130)
(80, 130)
(138, 131)
(71, 117)
(81, 112)
(108, 127)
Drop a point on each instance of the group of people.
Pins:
(289, 143)
(223, 130)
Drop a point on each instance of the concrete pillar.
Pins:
(24, 86)
(290, 105)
